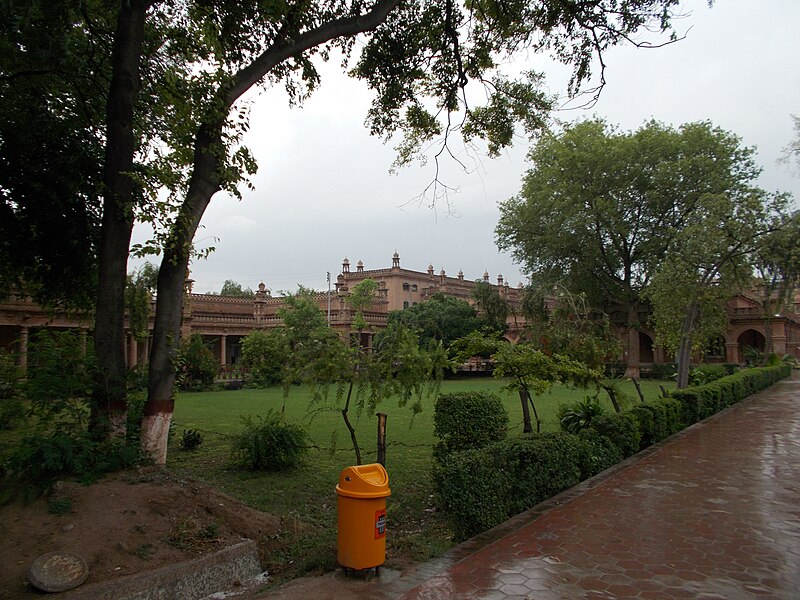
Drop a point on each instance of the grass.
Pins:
(305, 499)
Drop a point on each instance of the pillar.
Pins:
(732, 352)
(223, 355)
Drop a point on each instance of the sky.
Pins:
(324, 190)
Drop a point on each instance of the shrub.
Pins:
(483, 487)
(196, 365)
(597, 453)
(191, 439)
(268, 443)
(621, 429)
(659, 371)
(464, 420)
(580, 415)
(12, 406)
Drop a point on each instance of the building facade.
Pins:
(223, 321)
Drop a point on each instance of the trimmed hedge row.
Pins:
(483, 486)
(698, 403)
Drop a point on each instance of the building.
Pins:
(223, 321)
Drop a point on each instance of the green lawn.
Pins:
(305, 497)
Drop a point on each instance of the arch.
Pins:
(751, 344)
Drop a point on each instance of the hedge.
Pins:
(465, 420)
(700, 402)
(482, 487)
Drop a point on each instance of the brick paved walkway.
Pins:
(712, 513)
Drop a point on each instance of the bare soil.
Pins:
(127, 523)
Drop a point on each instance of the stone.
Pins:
(58, 572)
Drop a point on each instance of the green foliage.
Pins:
(465, 420)
(580, 415)
(482, 487)
(360, 298)
(439, 319)
(60, 375)
(233, 288)
(621, 429)
(268, 443)
(191, 439)
(702, 401)
(264, 354)
(569, 326)
(492, 307)
(12, 405)
(657, 420)
(140, 286)
(703, 374)
(196, 365)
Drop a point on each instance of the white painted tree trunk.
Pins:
(155, 435)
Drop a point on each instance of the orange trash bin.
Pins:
(361, 507)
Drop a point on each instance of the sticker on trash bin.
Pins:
(380, 524)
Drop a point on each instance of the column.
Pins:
(732, 352)
(133, 352)
(223, 355)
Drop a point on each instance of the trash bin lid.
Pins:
(364, 481)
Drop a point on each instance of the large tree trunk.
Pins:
(109, 406)
(632, 370)
(685, 346)
(169, 297)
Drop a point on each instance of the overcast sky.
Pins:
(323, 190)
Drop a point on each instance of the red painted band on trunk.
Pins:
(157, 407)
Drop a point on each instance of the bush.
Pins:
(483, 487)
(658, 371)
(700, 402)
(621, 429)
(196, 365)
(12, 406)
(191, 439)
(573, 419)
(268, 443)
(465, 420)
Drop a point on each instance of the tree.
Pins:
(492, 306)
(343, 375)
(439, 319)
(232, 288)
(532, 372)
(569, 326)
(791, 153)
(203, 56)
(196, 365)
(777, 266)
(710, 262)
(138, 296)
(264, 354)
(51, 152)
(600, 209)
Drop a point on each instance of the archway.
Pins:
(751, 346)
(645, 348)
